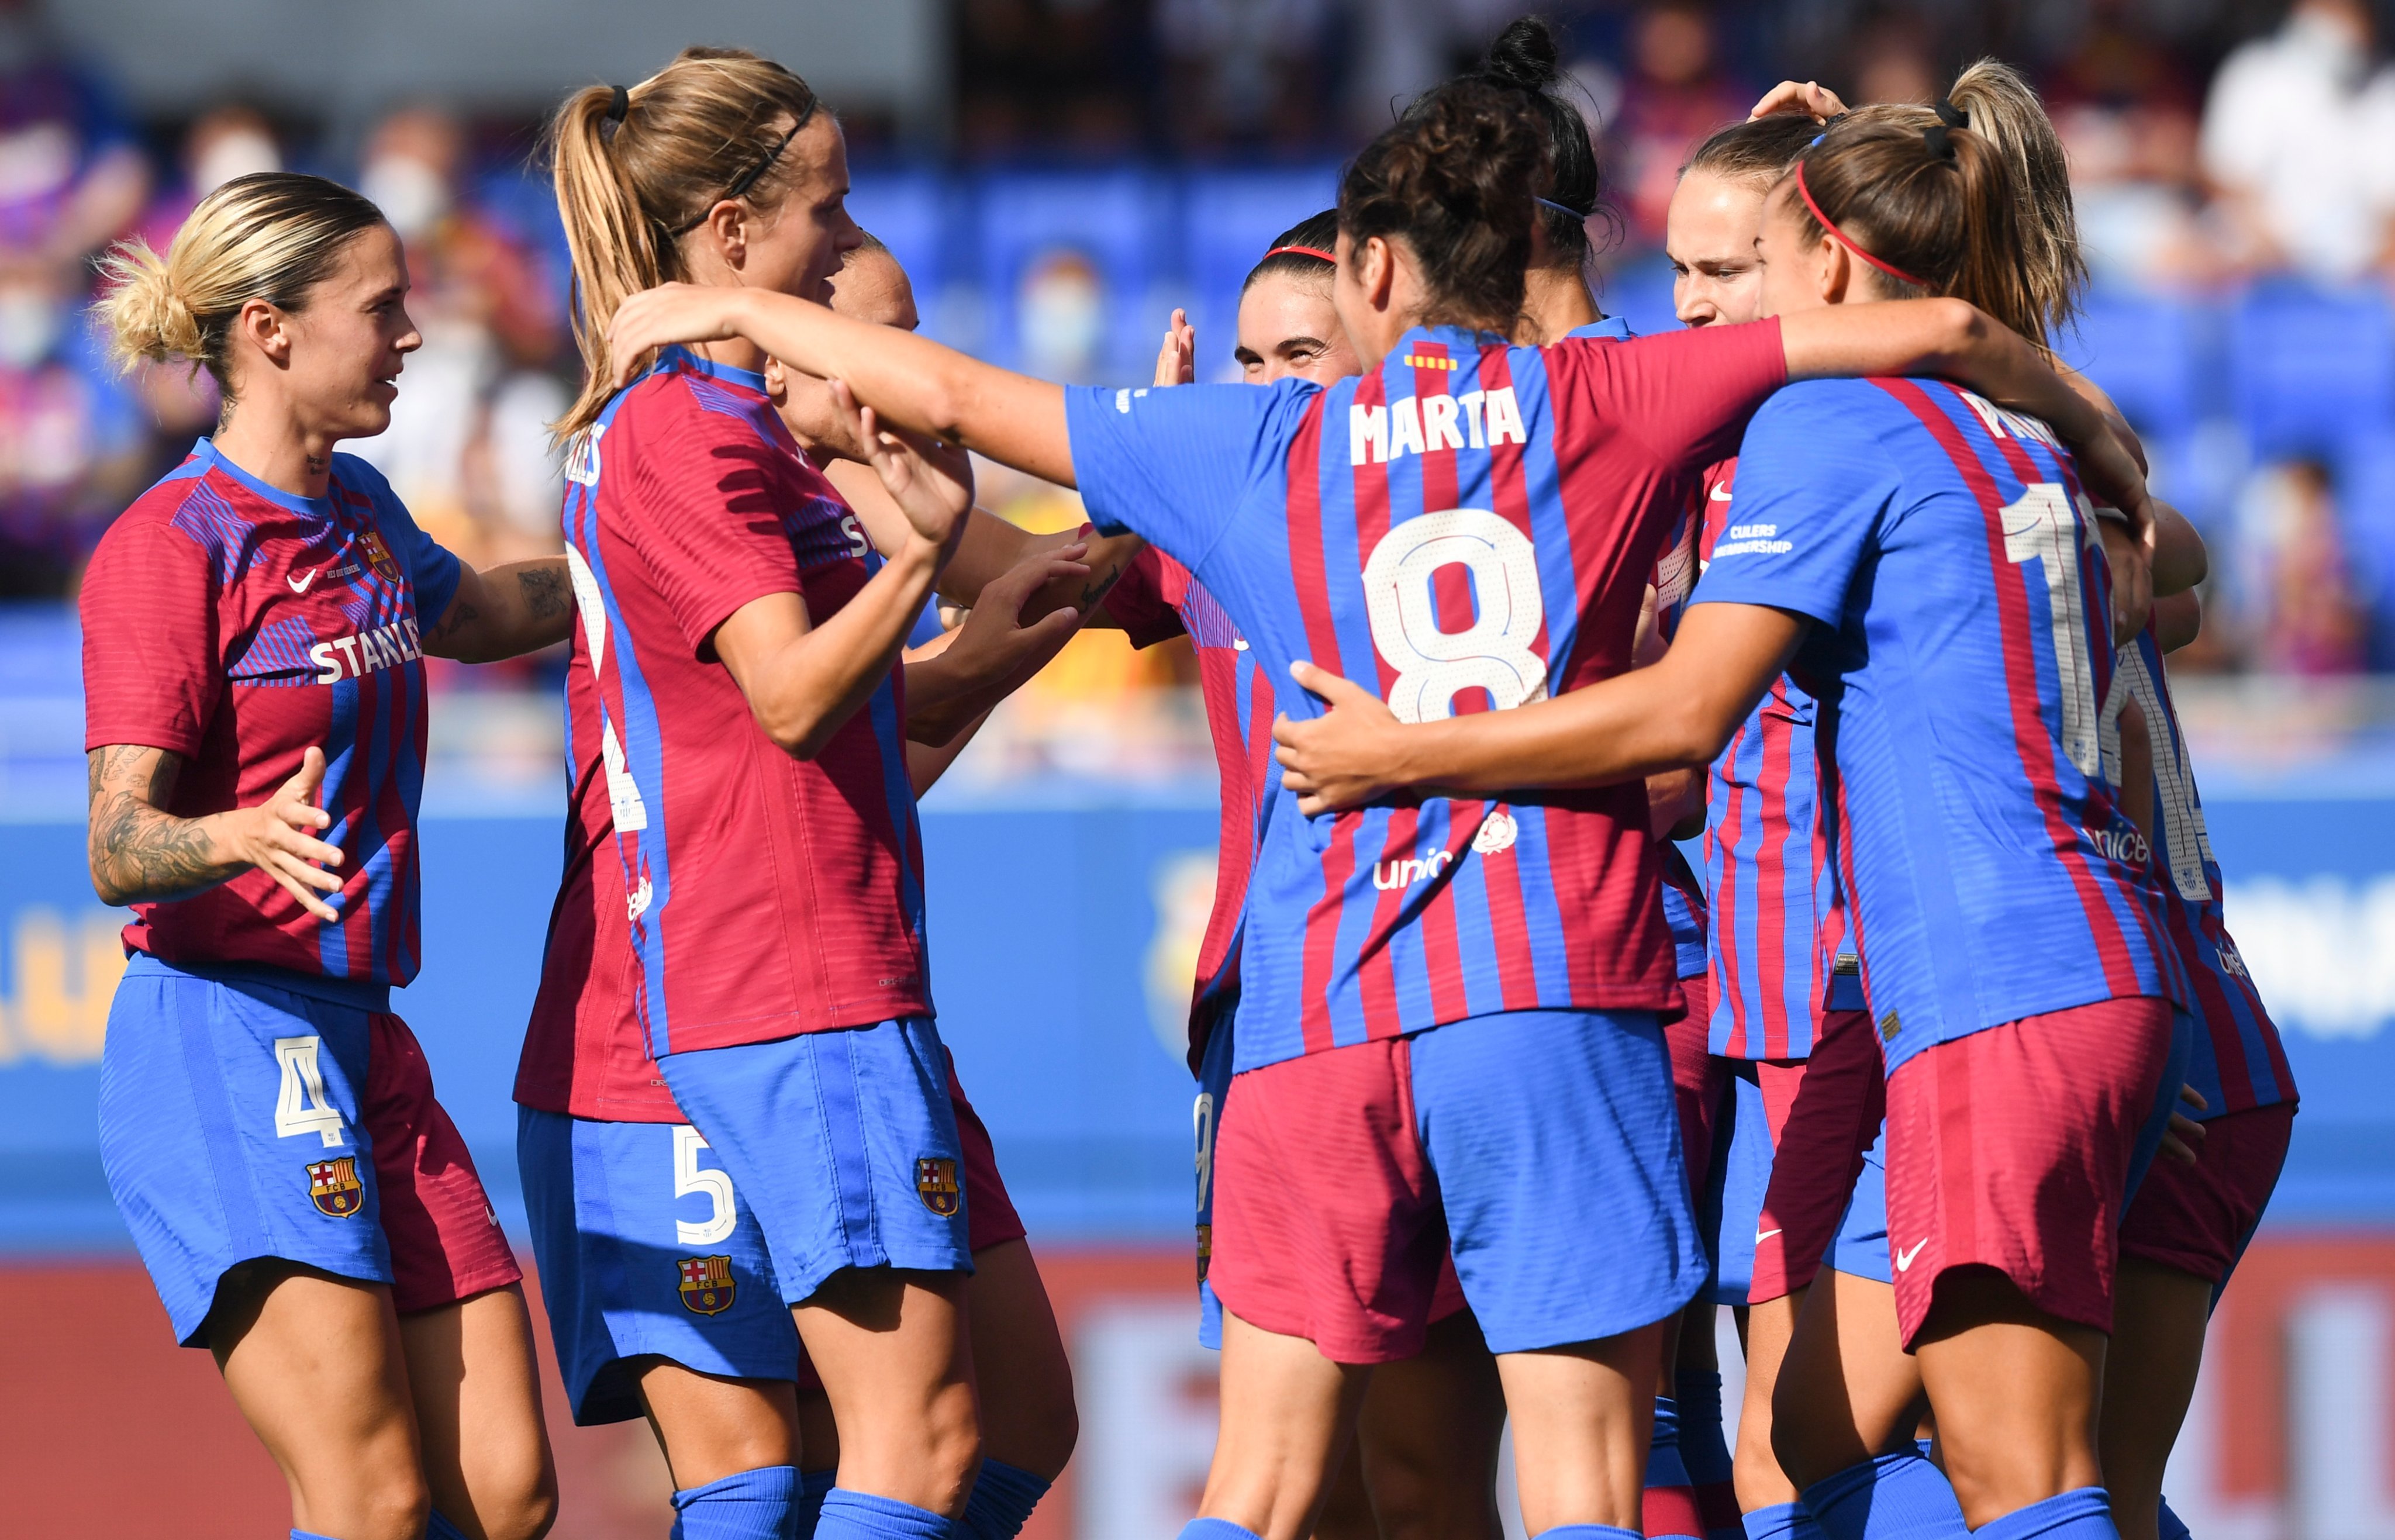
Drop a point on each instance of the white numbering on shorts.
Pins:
(2185, 844)
(715, 1182)
(301, 1107)
(1495, 651)
(1202, 1114)
(2041, 524)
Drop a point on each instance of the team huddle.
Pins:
(1943, 1071)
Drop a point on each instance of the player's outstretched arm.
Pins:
(141, 853)
(507, 611)
(914, 382)
(993, 652)
(1678, 713)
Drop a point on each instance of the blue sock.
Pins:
(1782, 1522)
(862, 1516)
(1216, 1529)
(1003, 1496)
(1703, 1449)
(2084, 1513)
(813, 1486)
(1880, 1500)
(2173, 1527)
(746, 1504)
(1664, 1467)
(308, 1534)
(438, 1528)
(1588, 1531)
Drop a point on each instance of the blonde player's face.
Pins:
(1289, 327)
(343, 350)
(796, 245)
(1710, 233)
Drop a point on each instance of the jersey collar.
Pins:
(213, 458)
(1613, 328)
(680, 355)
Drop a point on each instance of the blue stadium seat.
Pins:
(2311, 370)
(1231, 217)
(1642, 293)
(2149, 353)
(2366, 504)
(1121, 222)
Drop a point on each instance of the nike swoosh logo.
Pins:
(1904, 1258)
(301, 584)
(1763, 1235)
(1721, 495)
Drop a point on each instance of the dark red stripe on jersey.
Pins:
(1723, 840)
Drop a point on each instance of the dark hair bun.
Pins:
(1455, 178)
(1525, 56)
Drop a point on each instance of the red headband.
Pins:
(1302, 251)
(1841, 237)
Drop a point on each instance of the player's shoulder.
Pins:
(1839, 411)
(193, 503)
(356, 480)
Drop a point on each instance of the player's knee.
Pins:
(393, 1506)
(524, 1512)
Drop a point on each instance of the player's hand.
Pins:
(2133, 579)
(1809, 96)
(668, 314)
(1340, 759)
(930, 482)
(995, 644)
(2179, 1143)
(1176, 362)
(278, 837)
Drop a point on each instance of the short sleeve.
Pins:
(432, 570)
(1685, 395)
(703, 507)
(150, 670)
(1172, 465)
(1813, 479)
(1139, 601)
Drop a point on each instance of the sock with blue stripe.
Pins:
(862, 1516)
(1705, 1452)
(746, 1504)
(1216, 1529)
(438, 1528)
(1003, 1496)
(1669, 1503)
(1896, 1494)
(1780, 1522)
(813, 1487)
(1588, 1531)
(2171, 1526)
(2084, 1513)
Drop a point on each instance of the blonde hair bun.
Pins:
(145, 317)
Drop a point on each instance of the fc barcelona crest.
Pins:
(334, 1188)
(378, 556)
(935, 1180)
(706, 1284)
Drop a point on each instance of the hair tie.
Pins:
(1841, 237)
(1563, 209)
(1940, 140)
(1331, 257)
(618, 103)
(1949, 114)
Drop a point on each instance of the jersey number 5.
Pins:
(1495, 651)
(715, 1182)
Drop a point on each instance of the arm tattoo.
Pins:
(140, 852)
(545, 594)
(1094, 593)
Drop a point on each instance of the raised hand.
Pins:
(1176, 362)
(1809, 96)
(1342, 759)
(930, 482)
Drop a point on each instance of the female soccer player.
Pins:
(2007, 919)
(662, 1295)
(254, 627)
(751, 717)
(1371, 936)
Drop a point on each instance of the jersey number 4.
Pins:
(300, 1106)
(1496, 652)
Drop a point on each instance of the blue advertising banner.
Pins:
(1064, 937)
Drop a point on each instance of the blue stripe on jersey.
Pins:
(899, 789)
(277, 655)
(341, 729)
(1550, 965)
(214, 528)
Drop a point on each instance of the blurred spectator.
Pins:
(222, 143)
(2126, 109)
(72, 442)
(2299, 136)
(71, 177)
(1892, 61)
(2306, 614)
(468, 444)
(1050, 73)
(1673, 96)
(1245, 71)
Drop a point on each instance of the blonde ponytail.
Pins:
(635, 168)
(273, 236)
(2004, 109)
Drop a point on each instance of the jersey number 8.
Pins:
(1495, 652)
